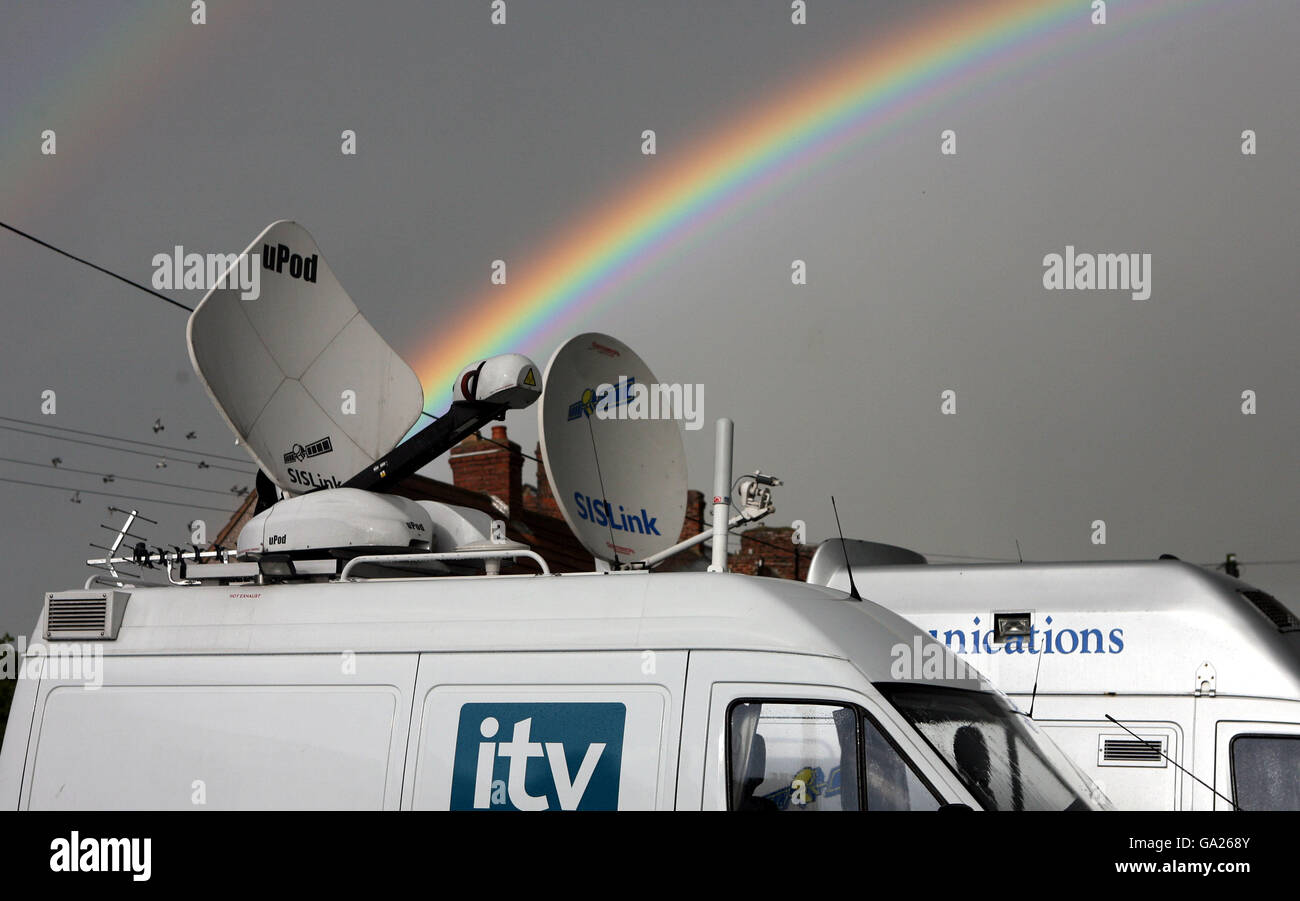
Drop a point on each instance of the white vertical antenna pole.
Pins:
(721, 494)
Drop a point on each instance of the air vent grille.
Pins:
(84, 614)
(1125, 750)
(1131, 749)
(1275, 610)
(67, 615)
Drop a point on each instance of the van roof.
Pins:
(588, 611)
(1174, 616)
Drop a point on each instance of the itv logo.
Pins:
(538, 756)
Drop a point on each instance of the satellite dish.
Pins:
(619, 481)
(277, 368)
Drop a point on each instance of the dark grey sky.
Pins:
(479, 142)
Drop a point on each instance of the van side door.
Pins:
(564, 730)
(770, 731)
(221, 732)
(1137, 763)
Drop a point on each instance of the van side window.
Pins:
(1266, 772)
(809, 756)
(793, 756)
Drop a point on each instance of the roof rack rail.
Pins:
(220, 565)
(489, 555)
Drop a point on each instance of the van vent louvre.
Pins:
(77, 615)
(1132, 750)
(1274, 609)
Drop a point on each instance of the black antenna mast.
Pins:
(1038, 668)
(853, 588)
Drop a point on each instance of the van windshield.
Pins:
(999, 754)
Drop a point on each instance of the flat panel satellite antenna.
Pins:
(619, 478)
(278, 368)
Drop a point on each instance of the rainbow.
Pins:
(883, 81)
(890, 76)
(115, 72)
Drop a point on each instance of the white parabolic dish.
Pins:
(620, 482)
(282, 367)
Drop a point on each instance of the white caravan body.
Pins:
(1203, 667)
(623, 690)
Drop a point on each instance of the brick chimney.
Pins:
(485, 466)
(545, 497)
(771, 552)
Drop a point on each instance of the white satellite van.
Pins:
(1199, 671)
(621, 690)
(361, 650)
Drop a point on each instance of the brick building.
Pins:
(487, 475)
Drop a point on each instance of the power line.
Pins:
(182, 450)
(748, 535)
(1217, 565)
(124, 450)
(86, 262)
(129, 497)
(509, 448)
(113, 476)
